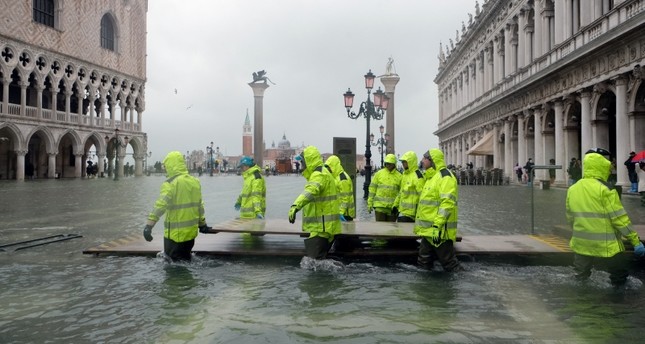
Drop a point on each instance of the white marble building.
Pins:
(72, 72)
(544, 79)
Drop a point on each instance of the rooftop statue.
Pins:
(476, 8)
(261, 76)
(389, 67)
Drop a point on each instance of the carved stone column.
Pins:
(389, 83)
(559, 141)
(585, 121)
(622, 129)
(39, 100)
(20, 165)
(508, 158)
(51, 165)
(23, 102)
(101, 157)
(538, 142)
(521, 140)
(258, 120)
(78, 165)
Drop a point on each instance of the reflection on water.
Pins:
(53, 293)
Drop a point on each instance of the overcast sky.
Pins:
(313, 50)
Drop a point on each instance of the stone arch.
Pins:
(604, 119)
(11, 141)
(76, 140)
(47, 135)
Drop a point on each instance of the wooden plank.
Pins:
(370, 229)
(239, 244)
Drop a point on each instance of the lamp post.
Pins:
(369, 110)
(209, 151)
(382, 141)
(117, 145)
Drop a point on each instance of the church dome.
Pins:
(284, 143)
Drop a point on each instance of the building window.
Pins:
(44, 12)
(107, 32)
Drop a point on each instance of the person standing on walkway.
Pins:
(631, 172)
(344, 187)
(518, 172)
(252, 200)
(319, 205)
(383, 190)
(436, 219)
(598, 220)
(529, 170)
(181, 200)
(412, 182)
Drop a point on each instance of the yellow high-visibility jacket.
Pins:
(181, 200)
(383, 190)
(319, 200)
(412, 182)
(437, 210)
(344, 186)
(252, 199)
(595, 212)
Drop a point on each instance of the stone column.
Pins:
(481, 75)
(5, 94)
(55, 103)
(102, 102)
(622, 130)
(138, 165)
(51, 165)
(496, 147)
(508, 32)
(389, 83)
(79, 108)
(538, 7)
(92, 101)
(538, 141)
(576, 16)
(490, 68)
(560, 18)
(20, 165)
(585, 121)
(23, 101)
(78, 165)
(508, 158)
(559, 142)
(521, 140)
(68, 104)
(101, 171)
(597, 9)
(39, 101)
(546, 29)
(521, 38)
(258, 125)
(464, 142)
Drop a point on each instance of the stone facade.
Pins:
(71, 84)
(549, 79)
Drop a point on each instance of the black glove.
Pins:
(292, 214)
(205, 229)
(147, 232)
(395, 211)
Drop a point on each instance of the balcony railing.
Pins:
(31, 113)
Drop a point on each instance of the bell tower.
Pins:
(247, 137)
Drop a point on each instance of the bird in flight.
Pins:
(189, 106)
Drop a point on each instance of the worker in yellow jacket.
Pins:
(252, 200)
(180, 200)
(319, 205)
(436, 218)
(345, 188)
(383, 190)
(598, 221)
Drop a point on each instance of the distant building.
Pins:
(71, 73)
(544, 80)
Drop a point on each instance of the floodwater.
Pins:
(55, 294)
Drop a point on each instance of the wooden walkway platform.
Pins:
(274, 237)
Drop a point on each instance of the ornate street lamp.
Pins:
(382, 141)
(209, 151)
(369, 110)
(117, 145)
